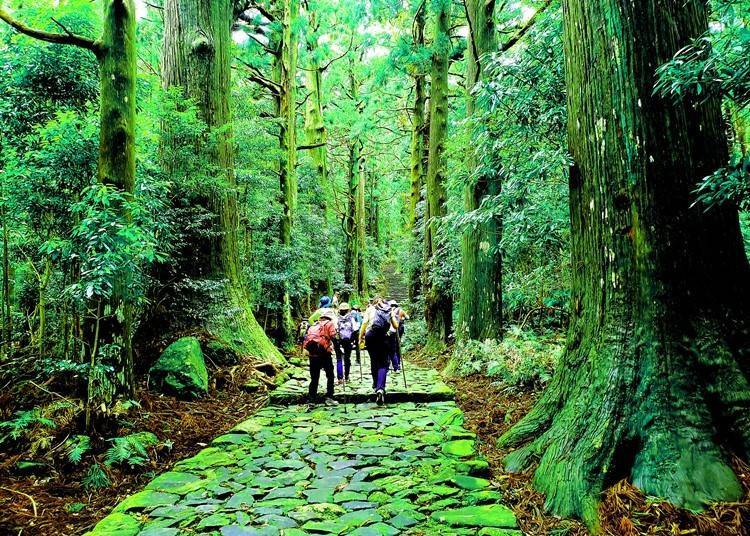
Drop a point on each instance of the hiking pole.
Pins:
(401, 355)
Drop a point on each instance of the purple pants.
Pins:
(378, 347)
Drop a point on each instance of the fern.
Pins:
(131, 449)
(95, 478)
(76, 447)
(23, 424)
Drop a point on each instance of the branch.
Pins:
(337, 58)
(68, 38)
(510, 43)
(258, 78)
(243, 5)
(311, 146)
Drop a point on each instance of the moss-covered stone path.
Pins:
(422, 385)
(405, 468)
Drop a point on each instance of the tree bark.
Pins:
(417, 160)
(654, 381)
(438, 298)
(315, 130)
(285, 73)
(197, 58)
(419, 137)
(351, 249)
(361, 219)
(481, 299)
(117, 60)
(355, 271)
(7, 345)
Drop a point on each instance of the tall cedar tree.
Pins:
(481, 300)
(355, 272)
(285, 75)
(419, 144)
(196, 57)
(654, 381)
(109, 322)
(316, 135)
(438, 300)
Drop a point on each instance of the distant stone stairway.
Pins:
(392, 283)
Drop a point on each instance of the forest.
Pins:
(549, 200)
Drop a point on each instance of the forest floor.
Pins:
(490, 410)
(54, 501)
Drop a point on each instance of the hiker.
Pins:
(400, 317)
(358, 318)
(348, 328)
(317, 346)
(325, 305)
(376, 330)
(335, 301)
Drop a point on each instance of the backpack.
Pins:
(346, 328)
(316, 341)
(381, 322)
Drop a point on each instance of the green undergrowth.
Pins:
(415, 334)
(522, 360)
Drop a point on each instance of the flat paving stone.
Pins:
(356, 469)
(422, 385)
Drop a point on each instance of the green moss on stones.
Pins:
(180, 370)
(494, 515)
(117, 524)
(460, 448)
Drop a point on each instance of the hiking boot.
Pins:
(330, 402)
(380, 397)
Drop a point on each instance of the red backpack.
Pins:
(318, 339)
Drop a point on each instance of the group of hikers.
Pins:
(338, 329)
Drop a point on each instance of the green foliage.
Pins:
(23, 424)
(522, 360)
(76, 447)
(95, 478)
(74, 508)
(131, 449)
(715, 64)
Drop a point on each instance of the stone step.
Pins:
(422, 385)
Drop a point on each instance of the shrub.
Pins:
(522, 360)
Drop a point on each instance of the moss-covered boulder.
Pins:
(180, 370)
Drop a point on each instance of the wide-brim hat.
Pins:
(345, 307)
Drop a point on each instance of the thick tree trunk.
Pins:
(438, 298)
(417, 167)
(351, 250)
(285, 74)
(315, 130)
(480, 307)
(355, 272)
(196, 57)
(117, 67)
(6, 310)
(654, 381)
(419, 135)
(361, 227)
